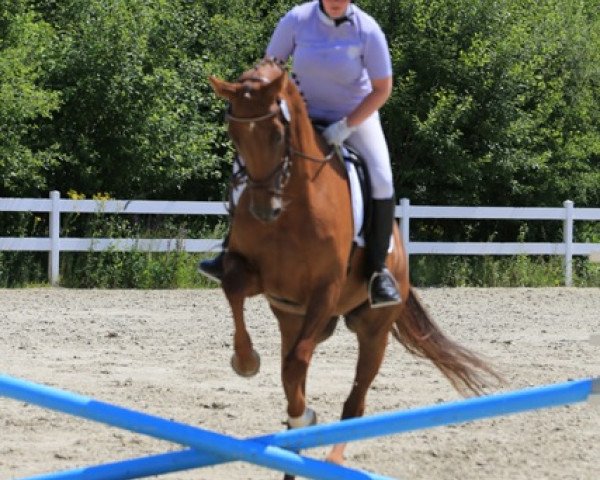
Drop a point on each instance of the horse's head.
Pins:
(258, 120)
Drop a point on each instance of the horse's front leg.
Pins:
(291, 326)
(299, 337)
(240, 282)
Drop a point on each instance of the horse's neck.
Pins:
(304, 139)
(303, 133)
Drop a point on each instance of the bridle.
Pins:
(275, 181)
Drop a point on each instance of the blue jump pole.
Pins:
(355, 429)
(222, 447)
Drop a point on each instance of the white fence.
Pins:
(55, 244)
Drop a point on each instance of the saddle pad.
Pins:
(358, 210)
(358, 207)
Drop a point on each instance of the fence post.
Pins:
(568, 239)
(54, 231)
(405, 227)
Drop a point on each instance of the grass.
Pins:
(178, 269)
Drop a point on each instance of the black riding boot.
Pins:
(213, 267)
(383, 289)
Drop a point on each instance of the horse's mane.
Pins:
(271, 62)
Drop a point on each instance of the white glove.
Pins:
(337, 132)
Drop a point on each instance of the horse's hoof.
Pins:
(248, 370)
(307, 419)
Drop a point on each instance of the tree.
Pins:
(25, 42)
(494, 101)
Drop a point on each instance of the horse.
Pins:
(292, 240)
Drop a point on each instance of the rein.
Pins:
(282, 171)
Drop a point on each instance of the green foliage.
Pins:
(515, 271)
(138, 118)
(136, 268)
(494, 101)
(21, 269)
(18, 269)
(25, 42)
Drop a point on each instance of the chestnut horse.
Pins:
(291, 240)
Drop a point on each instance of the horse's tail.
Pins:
(422, 337)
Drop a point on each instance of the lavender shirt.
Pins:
(334, 65)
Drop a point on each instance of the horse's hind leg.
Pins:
(239, 282)
(372, 329)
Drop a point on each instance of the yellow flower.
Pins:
(73, 195)
(102, 196)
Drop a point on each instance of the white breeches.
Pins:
(369, 141)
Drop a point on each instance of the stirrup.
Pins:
(212, 267)
(383, 289)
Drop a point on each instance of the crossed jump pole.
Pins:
(278, 450)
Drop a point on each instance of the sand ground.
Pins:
(167, 353)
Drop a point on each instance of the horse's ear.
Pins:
(277, 85)
(222, 88)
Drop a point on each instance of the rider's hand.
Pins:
(337, 132)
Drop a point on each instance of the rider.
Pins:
(343, 66)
